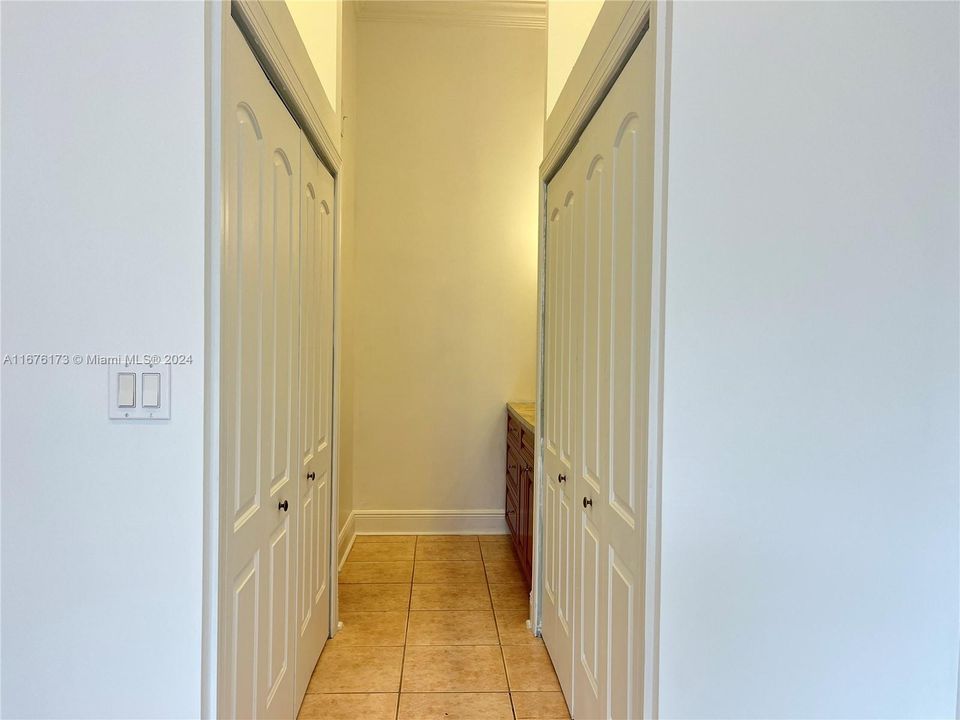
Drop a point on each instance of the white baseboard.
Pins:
(348, 533)
(430, 522)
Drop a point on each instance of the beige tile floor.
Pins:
(434, 627)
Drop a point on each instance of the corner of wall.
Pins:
(345, 540)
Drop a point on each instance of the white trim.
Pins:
(662, 25)
(487, 13)
(334, 514)
(430, 522)
(536, 602)
(214, 17)
(344, 542)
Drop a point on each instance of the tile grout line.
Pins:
(503, 662)
(406, 627)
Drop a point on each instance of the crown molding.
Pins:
(489, 13)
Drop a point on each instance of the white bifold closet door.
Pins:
(276, 399)
(560, 395)
(316, 412)
(596, 393)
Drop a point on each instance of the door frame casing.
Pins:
(273, 37)
(615, 35)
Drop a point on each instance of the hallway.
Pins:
(433, 627)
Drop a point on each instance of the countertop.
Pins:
(525, 412)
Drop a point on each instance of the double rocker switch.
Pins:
(127, 390)
(139, 391)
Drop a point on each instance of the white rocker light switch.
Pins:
(151, 390)
(126, 390)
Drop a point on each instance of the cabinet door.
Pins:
(514, 468)
(259, 357)
(523, 528)
(513, 515)
(526, 489)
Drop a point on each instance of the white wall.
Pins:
(103, 250)
(450, 135)
(318, 22)
(568, 24)
(810, 460)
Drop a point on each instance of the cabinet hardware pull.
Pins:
(561, 478)
(311, 475)
(283, 506)
(588, 502)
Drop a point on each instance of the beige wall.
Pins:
(318, 22)
(568, 25)
(450, 139)
(348, 185)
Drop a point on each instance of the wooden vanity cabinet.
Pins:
(519, 483)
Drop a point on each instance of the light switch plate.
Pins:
(150, 381)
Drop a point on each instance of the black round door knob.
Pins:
(588, 502)
(561, 478)
(284, 505)
(311, 475)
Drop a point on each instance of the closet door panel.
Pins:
(553, 489)
(619, 192)
(550, 544)
(589, 630)
(240, 462)
(278, 445)
(567, 346)
(622, 640)
(593, 470)
(565, 588)
(560, 428)
(316, 412)
(261, 157)
(243, 638)
(279, 593)
(629, 132)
